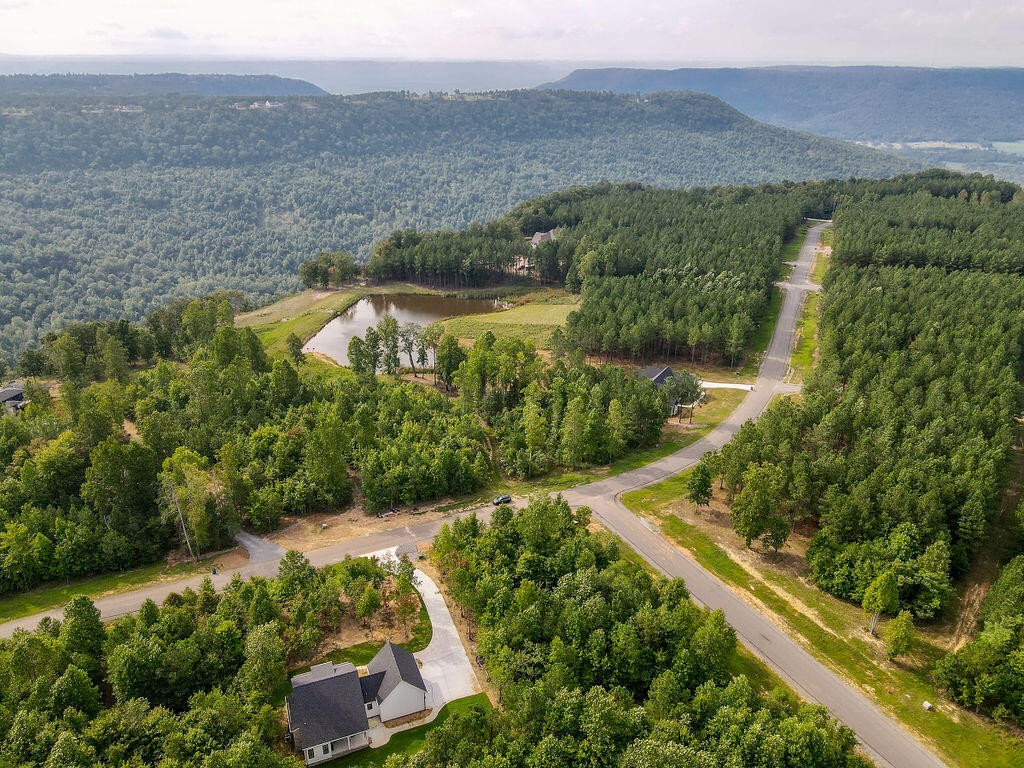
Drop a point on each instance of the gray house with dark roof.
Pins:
(330, 707)
(659, 374)
(397, 688)
(12, 397)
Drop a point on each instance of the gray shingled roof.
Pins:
(326, 710)
(397, 664)
(370, 685)
(659, 374)
(12, 393)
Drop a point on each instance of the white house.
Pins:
(330, 706)
(394, 686)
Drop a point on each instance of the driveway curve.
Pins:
(888, 744)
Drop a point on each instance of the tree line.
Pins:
(107, 213)
(595, 660)
(196, 681)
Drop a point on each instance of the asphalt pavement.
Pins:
(882, 738)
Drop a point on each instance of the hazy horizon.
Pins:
(938, 33)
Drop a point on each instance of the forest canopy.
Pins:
(108, 212)
(899, 448)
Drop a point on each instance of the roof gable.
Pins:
(371, 686)
(327, 709)
(397, 665)
(659, 374)
(12, 394)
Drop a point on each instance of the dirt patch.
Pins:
(985, 568)
(322, 358)
(319, 530)
(413, 718)
(227, 559)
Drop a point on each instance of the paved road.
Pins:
(887, 743)
(883, 739)
(260, 550)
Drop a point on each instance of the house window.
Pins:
(310, 754)
(369, 706)
(327, 749)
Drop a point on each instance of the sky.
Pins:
(921, 32)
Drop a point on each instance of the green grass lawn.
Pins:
(411, 741)
(821, 265)
(533, 320)
(806, 338)
(51, 596)
(791, 249)
(759, 341)
(302, 314)
(836, 637)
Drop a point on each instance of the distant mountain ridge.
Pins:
(859, 103)
(163, 84)
(107, 211)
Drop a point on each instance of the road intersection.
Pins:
(882, 738)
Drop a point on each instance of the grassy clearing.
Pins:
(410, 742)
(804, 351)
(361, 653)
(533, 320)
(763, 335)
(302, 314)
(821, 265)
(51, 596)
(833, 631)
(760, 340)
(791, 250)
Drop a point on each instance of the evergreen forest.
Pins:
(112, 205)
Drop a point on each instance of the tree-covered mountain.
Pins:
(870, 103)
(126, 86)
(108, 213)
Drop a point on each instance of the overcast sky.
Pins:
(927, 32)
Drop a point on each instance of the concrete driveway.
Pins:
(260, 550)
(444, 663)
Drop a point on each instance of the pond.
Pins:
(422, 309)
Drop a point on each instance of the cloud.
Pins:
(167, 33)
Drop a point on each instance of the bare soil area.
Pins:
(318, 530)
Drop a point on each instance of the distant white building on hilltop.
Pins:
(542, 237)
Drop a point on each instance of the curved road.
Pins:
(884, 740)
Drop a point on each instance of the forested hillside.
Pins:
(107, 213)
(874, 103)
(131, 86)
